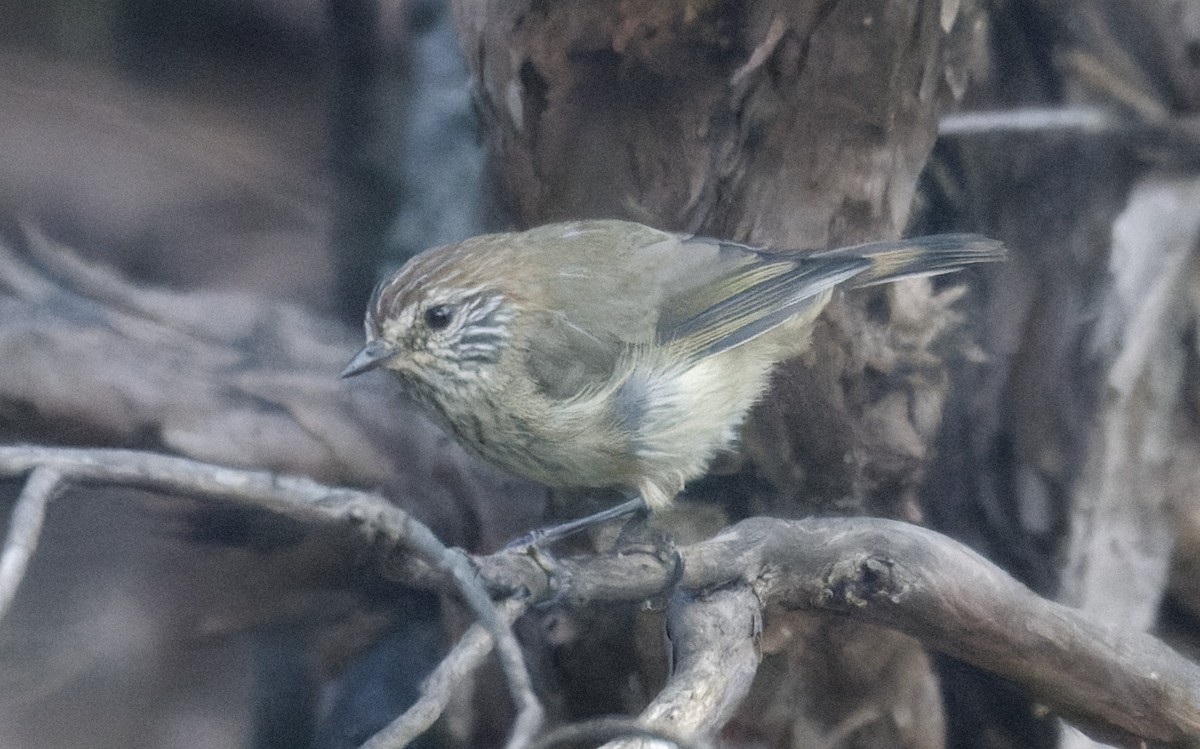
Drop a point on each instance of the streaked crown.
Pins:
(441, 328)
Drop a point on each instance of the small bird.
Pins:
(607, 353)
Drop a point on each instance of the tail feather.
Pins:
(892, 260)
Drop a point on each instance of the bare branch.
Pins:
(1116, 683)
(605, 729)
(24, 530)
(1033, 119)
(298, 497)
(459, 664)
(714, 648)
(529, 710)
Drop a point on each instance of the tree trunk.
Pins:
(793, 125)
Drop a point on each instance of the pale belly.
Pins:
(653, 428)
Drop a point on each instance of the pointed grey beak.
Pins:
(371, 356)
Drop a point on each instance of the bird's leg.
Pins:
(543, 536)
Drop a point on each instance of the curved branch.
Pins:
(714, 648)
(24, 530)
(293, 496)
(610, 728)
(1118, 684)
(1115, 683)
(438, 687)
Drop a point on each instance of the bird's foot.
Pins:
(547, 536)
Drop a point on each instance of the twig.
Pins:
(294, 496)
(1179, 136)
(529, 710)
(437, 689)
(24, 530)
(714, 649)
(1033, 119)
(608, 729)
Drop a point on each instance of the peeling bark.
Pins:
(778, 123)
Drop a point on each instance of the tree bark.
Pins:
(798, 125)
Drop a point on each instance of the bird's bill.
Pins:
(371, 356)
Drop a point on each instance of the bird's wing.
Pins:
(767, 288)
(599, 302)
(565, 359)
(748, 300)
(621, 287)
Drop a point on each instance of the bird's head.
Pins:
(434, 326)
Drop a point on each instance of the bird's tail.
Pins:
(892, 260)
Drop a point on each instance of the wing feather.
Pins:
(752, 301)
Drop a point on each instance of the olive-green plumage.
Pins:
(608, 353)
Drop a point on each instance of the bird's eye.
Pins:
(439, 316)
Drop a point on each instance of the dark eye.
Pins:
(439, 316)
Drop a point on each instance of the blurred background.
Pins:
(224, 145)
(291, 151)
(248, 137)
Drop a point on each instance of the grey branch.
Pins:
(1033, 119)
(24, 530)
(1119, 685)
(1180, 134)
(611, 728)
(293, 496)
(455, 668)
(714, 654)
(1116, 684)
